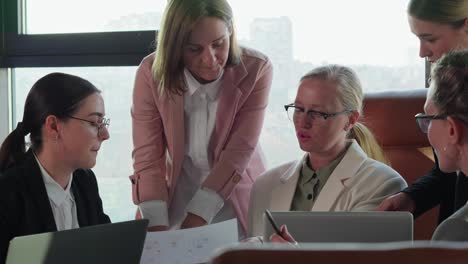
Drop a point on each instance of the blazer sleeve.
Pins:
(102, 217)
(5, 236)
(149, 144)
(5, 228)
(260, 198)
(380, 183)
(9, 215)
(88, 200)
(432, 189)
(243, 136)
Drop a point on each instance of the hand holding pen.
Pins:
(281, 235)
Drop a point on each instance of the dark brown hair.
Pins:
(449, 84)
(57, 94)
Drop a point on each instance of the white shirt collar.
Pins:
(211, 89)
(56, 193)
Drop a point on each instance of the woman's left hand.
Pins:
(192, 220)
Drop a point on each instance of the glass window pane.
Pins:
(58, 16)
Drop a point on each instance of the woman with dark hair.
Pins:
(445, 122)
(50, 187)
(198, 107)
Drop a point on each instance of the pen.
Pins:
(273, 223)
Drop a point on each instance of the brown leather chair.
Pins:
(386, 253)
(390, 116)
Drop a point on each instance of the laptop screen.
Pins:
(364, 227)
(108, 243)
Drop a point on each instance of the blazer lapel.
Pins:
(36, 187)
(335, 184)
(82, 213)
(283, 192)
(175, 136)
(229, 96)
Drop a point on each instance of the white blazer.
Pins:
(358, 183)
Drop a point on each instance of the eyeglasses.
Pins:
(295, 112)
(105, 122)
(424, 120)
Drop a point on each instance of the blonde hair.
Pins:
(453, 12)
(368, 143)
(178, 21)
(350, 95)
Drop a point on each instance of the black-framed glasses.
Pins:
(105, 122)
(424, 120)
(295, 112)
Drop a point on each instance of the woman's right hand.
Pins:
(398, 202)
(284, 238)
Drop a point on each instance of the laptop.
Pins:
(358, 227)
(108, 243)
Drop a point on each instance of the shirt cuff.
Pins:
(155, 211)
(206, 203)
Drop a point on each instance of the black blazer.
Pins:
(436, 187)
(25, 208)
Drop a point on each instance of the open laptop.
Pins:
(359, 227)
(108, 243)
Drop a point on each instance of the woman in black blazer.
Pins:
(50, 186)
(441, 26)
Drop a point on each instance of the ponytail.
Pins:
(368, 143)
(13, 148)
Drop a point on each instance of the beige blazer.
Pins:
(358, 183)
(235, 157)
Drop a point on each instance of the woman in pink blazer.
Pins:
(198, 108)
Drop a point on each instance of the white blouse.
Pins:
(61, 201)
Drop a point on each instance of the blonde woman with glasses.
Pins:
(335, 173)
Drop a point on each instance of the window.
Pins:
(92, 16)
(374, 39)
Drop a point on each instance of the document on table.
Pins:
(188, 246)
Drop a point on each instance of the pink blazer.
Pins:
(235, 156)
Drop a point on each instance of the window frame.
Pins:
(68, 49)
(59, 50)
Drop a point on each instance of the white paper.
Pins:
(188, 246)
